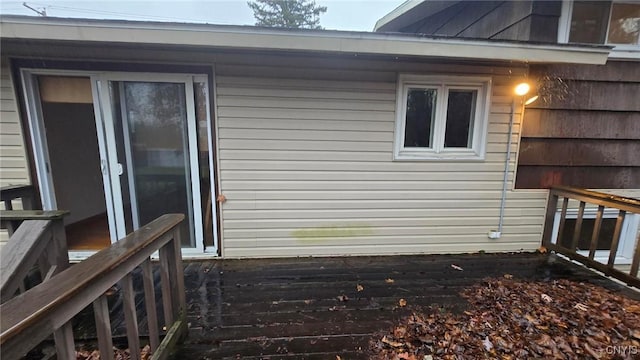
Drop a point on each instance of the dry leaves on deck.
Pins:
(118, 354)
(510, 319)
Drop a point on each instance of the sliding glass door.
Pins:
(151, 150)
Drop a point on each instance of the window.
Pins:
(601, 22)
(628, 233)
(441, 117)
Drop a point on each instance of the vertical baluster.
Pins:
(165, 264)
(563, 218)
(179, 271)
(65, 347)
(130, 317)
(150, 303)
(552, 206)
(635, 264)
(578, 228)
(103, 327)
(596, 232)
(616, 238)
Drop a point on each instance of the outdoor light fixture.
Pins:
(523, 89)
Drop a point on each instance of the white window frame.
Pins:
(628, 234)
(622, 51)
(442, 84)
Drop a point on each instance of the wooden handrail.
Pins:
(39, 240)
(24, 192)
(32, 316)
(624, 206)
(599, 198)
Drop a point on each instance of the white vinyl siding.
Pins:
(306, 164)
(13, 159)
(305, 158)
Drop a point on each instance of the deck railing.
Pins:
(26, 194)
(48, 308)
(555, 224)
(37, 241)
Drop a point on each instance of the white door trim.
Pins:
(100, 93)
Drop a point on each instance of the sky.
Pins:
(358, 15)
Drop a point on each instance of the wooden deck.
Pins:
(310, 308)
(295, 308)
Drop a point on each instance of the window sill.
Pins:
(625, 53)
(432, 156)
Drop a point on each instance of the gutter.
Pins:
(247, 37)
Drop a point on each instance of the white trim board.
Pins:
(218, 36)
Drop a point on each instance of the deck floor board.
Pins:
(296, 309)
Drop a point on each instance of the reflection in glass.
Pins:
(460, 110)
(589, 22)
(151, 130)
(421, 107)
(624, 25)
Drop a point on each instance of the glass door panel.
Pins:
(152, 150)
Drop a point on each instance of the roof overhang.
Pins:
(321, 41)
(409, 12)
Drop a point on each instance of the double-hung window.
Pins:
(441, 118)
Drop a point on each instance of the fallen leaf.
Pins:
(308, 301)
(633, 309)
(402, 302)
(389, 281)
(359, 287)
(542, 250)
(487, 344)
(428, 357)
(391, 343)
(581, 307)
(507, 276)
(343, 298)
(546, 298)
(338, 357)
(456, 267)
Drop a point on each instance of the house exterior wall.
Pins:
(13, 159)
(306, 167)
(585, 129)
(305, 159)
(505, 20)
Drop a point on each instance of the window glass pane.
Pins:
(460, 110)
(589, 22)
(421, 107)
(625, 24)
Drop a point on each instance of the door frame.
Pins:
(41, 154)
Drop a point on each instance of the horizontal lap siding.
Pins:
(306, 164)
(13, 159)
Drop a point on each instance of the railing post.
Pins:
(616, 239)
(552, 205)
(65, 347)
(165, 284)
(635, 264)
(179, 272)
(130, 317)
(596, 232)
(103, 327)
(578, 228)
(150, 304)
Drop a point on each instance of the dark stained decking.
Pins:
(295, 309)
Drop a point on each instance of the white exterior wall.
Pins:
(305, 159)
(13, 158)
(306, 166)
